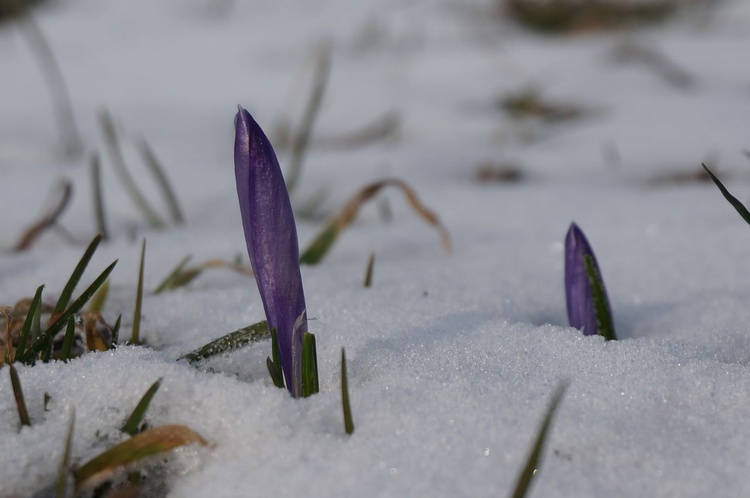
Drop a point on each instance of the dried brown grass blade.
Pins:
(322, 243)
(143, 445)
(61, 193)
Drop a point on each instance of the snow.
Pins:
(452, 358)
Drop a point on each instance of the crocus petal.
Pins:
(271, 237)
(580, 301)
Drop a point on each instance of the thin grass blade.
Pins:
(736, 203)
(532, 463)
(26, 329)
(68, 340)
(169, 280)
(98, 300)
(140, 446)
(325, 239)
(302, 137)
(154, 165)
(135, 336)
(347, 409)
(309, 366)
(368, 273)
(230, 342)
(118, 161)
(116, 330)
(601, 302)
(62, 193)
(274, 365)
(100, 217)
(23, 412)
(62, 473)
(134, 421)
(75, 277)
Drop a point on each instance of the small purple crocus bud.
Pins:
(271, 237)
(578, 292)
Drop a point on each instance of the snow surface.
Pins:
(452, 358)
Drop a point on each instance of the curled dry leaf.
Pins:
(325, 239)
(135, 449)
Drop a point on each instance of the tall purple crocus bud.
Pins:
(271, 237)
(581, 292)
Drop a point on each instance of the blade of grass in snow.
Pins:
(135, 336)
(154, 165)
(347, 409)
(61, 192)
(309, 366)
(47, 399)
(116, 330)
(741, 209)
(75, 277)
(140, 446)
(368, 273)
(7, 313)
(68, 340)
(118, 162)
(302, 137)
(532, 463)
(599, 295)
(62, 473)
(23, 413)
(134, 421)
(45, 339)
(58, 90)
(320, 246)
(27, 324)
(169, 280)
(274, 365)
(99, 299)
(96, 185)
(230, 342)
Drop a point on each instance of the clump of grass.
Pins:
(573, 16)
(528, 103)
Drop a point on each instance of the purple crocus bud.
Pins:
(271, 237)
(578, 291)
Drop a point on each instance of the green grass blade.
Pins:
(172, 276)
(135, 336)
(116, 330)
(274, 365)
(320, 246)
(348, 421)
(96, 184)
(134, 421)
(45, 340)
(302, 137)
(601, 302)
(532, 462)
(230, 342)
(154, 165)
(62, 473)
(68, 341)
(23, 413)
(368, 273)
(118, 162)
(75, 277)
(309, 366)
(736, 203)
(26, 329)
(96, 305)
